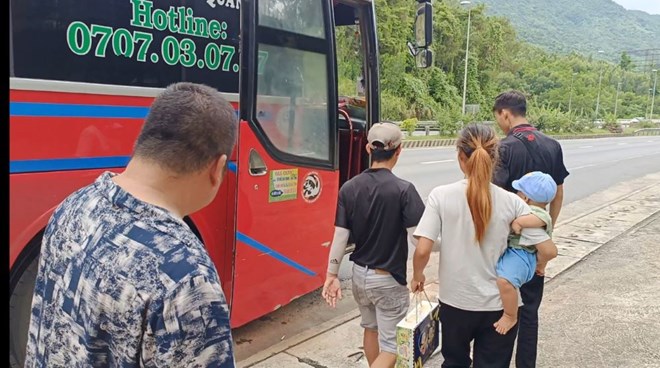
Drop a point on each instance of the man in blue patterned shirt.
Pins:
(123, 281)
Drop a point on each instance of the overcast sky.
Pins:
(649, 6)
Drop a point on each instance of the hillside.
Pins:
(584, 26)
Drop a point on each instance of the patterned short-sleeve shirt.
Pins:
(122, 283)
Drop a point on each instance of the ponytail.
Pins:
(480, 167)
(479, 144)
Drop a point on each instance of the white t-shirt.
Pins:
(467, 274)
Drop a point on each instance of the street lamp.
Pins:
(655, 81)
(600, 79)
(467, 48)
(616, 100)
(570, 95)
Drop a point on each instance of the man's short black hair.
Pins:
(514, 101)
(188, 126)
(379, 154)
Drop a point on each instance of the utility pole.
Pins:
(570, 95)
(655, 81)
(616, 100)
(600, 79)
(467, 53)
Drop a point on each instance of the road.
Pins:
(593, 164)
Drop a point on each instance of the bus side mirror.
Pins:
(424, 58)
(424, 25)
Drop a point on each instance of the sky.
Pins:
(649, 6)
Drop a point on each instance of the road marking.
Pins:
(613, 161)
(650, 141)
(586, 146)
(621, 144)
(581, 167)
(435, 162)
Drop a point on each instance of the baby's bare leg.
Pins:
(510, 304)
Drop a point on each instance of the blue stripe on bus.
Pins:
(260, 247)
(62, 164)
(78, 163)
(56, 110)
(77, 111)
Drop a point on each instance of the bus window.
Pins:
(303, 17)
(292, 98)
(292, 85)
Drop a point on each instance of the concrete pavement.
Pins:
(584, 226)
(605, 311)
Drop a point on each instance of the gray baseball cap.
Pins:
(387, 134)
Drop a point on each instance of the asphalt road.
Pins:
(593, 164)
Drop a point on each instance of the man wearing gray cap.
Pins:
(380, 212)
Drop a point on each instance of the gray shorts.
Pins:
(383, 303)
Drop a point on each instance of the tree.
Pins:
(626, 61)
(499, 61)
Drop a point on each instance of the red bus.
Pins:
(84, 73)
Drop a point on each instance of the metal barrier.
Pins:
(647, 131)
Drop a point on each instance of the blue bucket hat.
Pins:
(537, 186)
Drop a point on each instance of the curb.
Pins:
(299, 339)
(428, 143)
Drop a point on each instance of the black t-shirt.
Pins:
(539, 153)
(377, 207)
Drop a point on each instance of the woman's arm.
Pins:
(420, 260)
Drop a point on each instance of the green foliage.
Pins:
(498, 61)
(585, 26)
(626, 61)
(646, 124)
(409, 125)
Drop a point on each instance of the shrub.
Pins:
(409, 125)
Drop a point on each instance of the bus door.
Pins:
(287, 156)
(357, 58)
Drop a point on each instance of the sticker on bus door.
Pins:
(283, 185)
(311, 188)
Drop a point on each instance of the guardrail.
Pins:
(421, 143)
(647, 131)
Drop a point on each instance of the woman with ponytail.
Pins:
(471, 219)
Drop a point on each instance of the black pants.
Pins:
(528, 321)
(459, 327)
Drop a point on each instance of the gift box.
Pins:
(418, 335)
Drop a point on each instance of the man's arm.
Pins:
(332, 287)
(501, 175)
(559, 174)
(190, 328)
(337, 250)
(555, 205)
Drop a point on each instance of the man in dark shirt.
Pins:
(524, 150)
(380, 211)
